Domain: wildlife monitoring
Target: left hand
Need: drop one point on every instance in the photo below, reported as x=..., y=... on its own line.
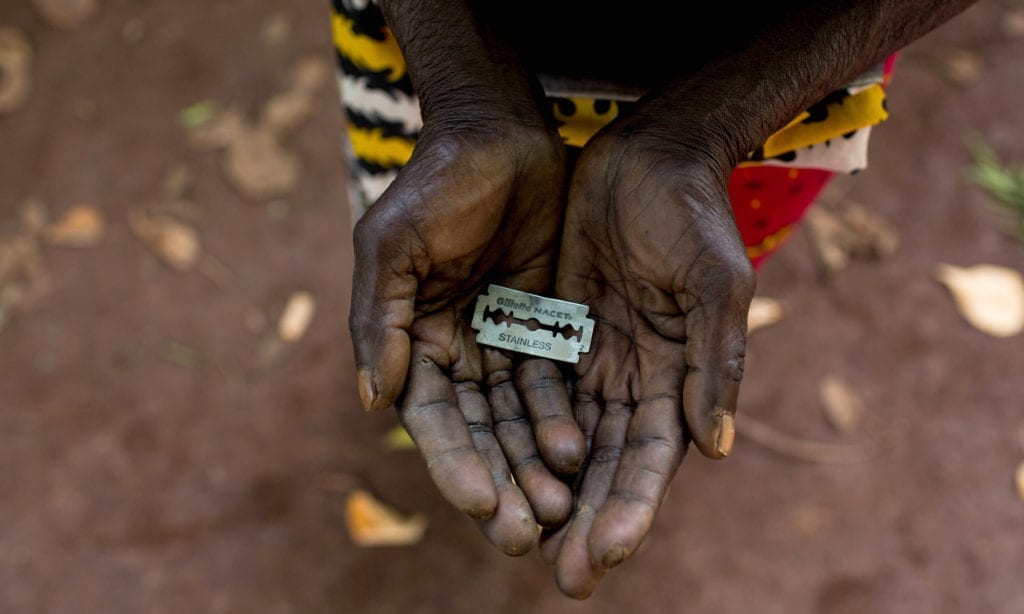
x=651, y=246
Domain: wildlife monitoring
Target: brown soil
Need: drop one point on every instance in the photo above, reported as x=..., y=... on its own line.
x=138, y=476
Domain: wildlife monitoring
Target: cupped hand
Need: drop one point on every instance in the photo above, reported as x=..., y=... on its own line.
x=651, y=246
x=475, y=205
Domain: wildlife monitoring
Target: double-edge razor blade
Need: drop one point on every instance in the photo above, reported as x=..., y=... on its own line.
x=532, y=324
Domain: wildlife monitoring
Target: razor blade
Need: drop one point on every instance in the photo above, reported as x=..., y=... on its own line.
x=532, y=324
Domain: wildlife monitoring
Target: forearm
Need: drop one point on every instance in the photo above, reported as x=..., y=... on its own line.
x=461, y=72
x=731, y=106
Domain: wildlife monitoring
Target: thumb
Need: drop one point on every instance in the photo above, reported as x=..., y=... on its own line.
x=382, y=309
x=716, y=302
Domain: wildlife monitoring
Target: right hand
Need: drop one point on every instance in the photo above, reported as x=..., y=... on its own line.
x=479, y=203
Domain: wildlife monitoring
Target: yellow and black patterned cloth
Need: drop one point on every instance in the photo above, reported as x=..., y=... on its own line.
x=770, y=190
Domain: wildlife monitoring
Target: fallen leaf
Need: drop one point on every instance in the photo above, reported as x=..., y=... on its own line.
x=65, y=14
x=296, y=317
x=214, y=270
x=255, y=321
x=34, y=216
x=372, y=523
x=182, y=355
x=989, y=297
x=824, y=229
x=277, y=29
x=763, y=312
x=269, y=351
x=255, y=161
x=810, y=519
x=197, y=114
x=1013, y=22
x=218, y=131
x=844, y=410
x=868, y=236
x=804, y=449
x=15, y=69
x=176, y=243
x=287, y=110
x=258, y=166
x=80, y=226
x=133, y=31
x=397, y=438
x=23, y=276
x=961, y=65
x=1020, y=481
x=848, y=233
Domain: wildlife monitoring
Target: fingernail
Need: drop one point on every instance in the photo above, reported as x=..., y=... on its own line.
x=613, y=556
x=367, y=391
x=726, y=434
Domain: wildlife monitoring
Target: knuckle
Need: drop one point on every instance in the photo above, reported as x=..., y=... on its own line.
x=606, y=454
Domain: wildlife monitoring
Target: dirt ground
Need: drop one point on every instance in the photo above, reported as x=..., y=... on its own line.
x=157, y=455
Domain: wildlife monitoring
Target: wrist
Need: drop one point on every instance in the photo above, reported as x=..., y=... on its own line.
x=460, y=72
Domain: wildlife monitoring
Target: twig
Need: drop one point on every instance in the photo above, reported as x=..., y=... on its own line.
x=802, y=449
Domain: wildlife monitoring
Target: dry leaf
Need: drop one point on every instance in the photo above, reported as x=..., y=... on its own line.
x=810, y=519
x=23, y=277
x=259, y=166
x=218, y=131
x=990, y=298
x=1013, y=22
x=850, y=232
x=256, y=162
x=133, y=31
x=398, y=439
x=1020, y=481
x=15, y=69
x=843, y=408
x=763, y=312
x=176, y=243
x=65, y=14
x=277, y=29
x=34, y=216
x=269, y=351
x=80, y=226
x=869, y=236
x=961, y=65
x=824, y=228
x=296, y=317
x=182, y=355
x=372, y=523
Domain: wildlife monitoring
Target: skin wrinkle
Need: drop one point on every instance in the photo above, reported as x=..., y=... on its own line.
x=441, y=455
x=415, y=410
x=633, y=497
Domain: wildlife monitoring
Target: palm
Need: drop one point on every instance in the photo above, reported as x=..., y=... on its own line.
x=468, y=210
x=650, y=245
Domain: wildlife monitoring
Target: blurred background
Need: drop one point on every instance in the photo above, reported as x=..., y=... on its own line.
x=179, y=428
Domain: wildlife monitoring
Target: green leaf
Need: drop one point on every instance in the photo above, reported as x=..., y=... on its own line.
x=197, y=114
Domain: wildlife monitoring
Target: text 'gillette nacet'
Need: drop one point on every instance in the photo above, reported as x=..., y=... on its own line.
x=532, y=324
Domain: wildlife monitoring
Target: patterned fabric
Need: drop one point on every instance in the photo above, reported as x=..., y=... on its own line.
x=770, y=191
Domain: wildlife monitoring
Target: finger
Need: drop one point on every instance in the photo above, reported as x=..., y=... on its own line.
x=654, y=448
x=549, y=497
x=588, y=413
x=716, y=301
x=382, y=309
x=577, y=576
x=512, y=528
x=431, y=414
x=547, y=399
